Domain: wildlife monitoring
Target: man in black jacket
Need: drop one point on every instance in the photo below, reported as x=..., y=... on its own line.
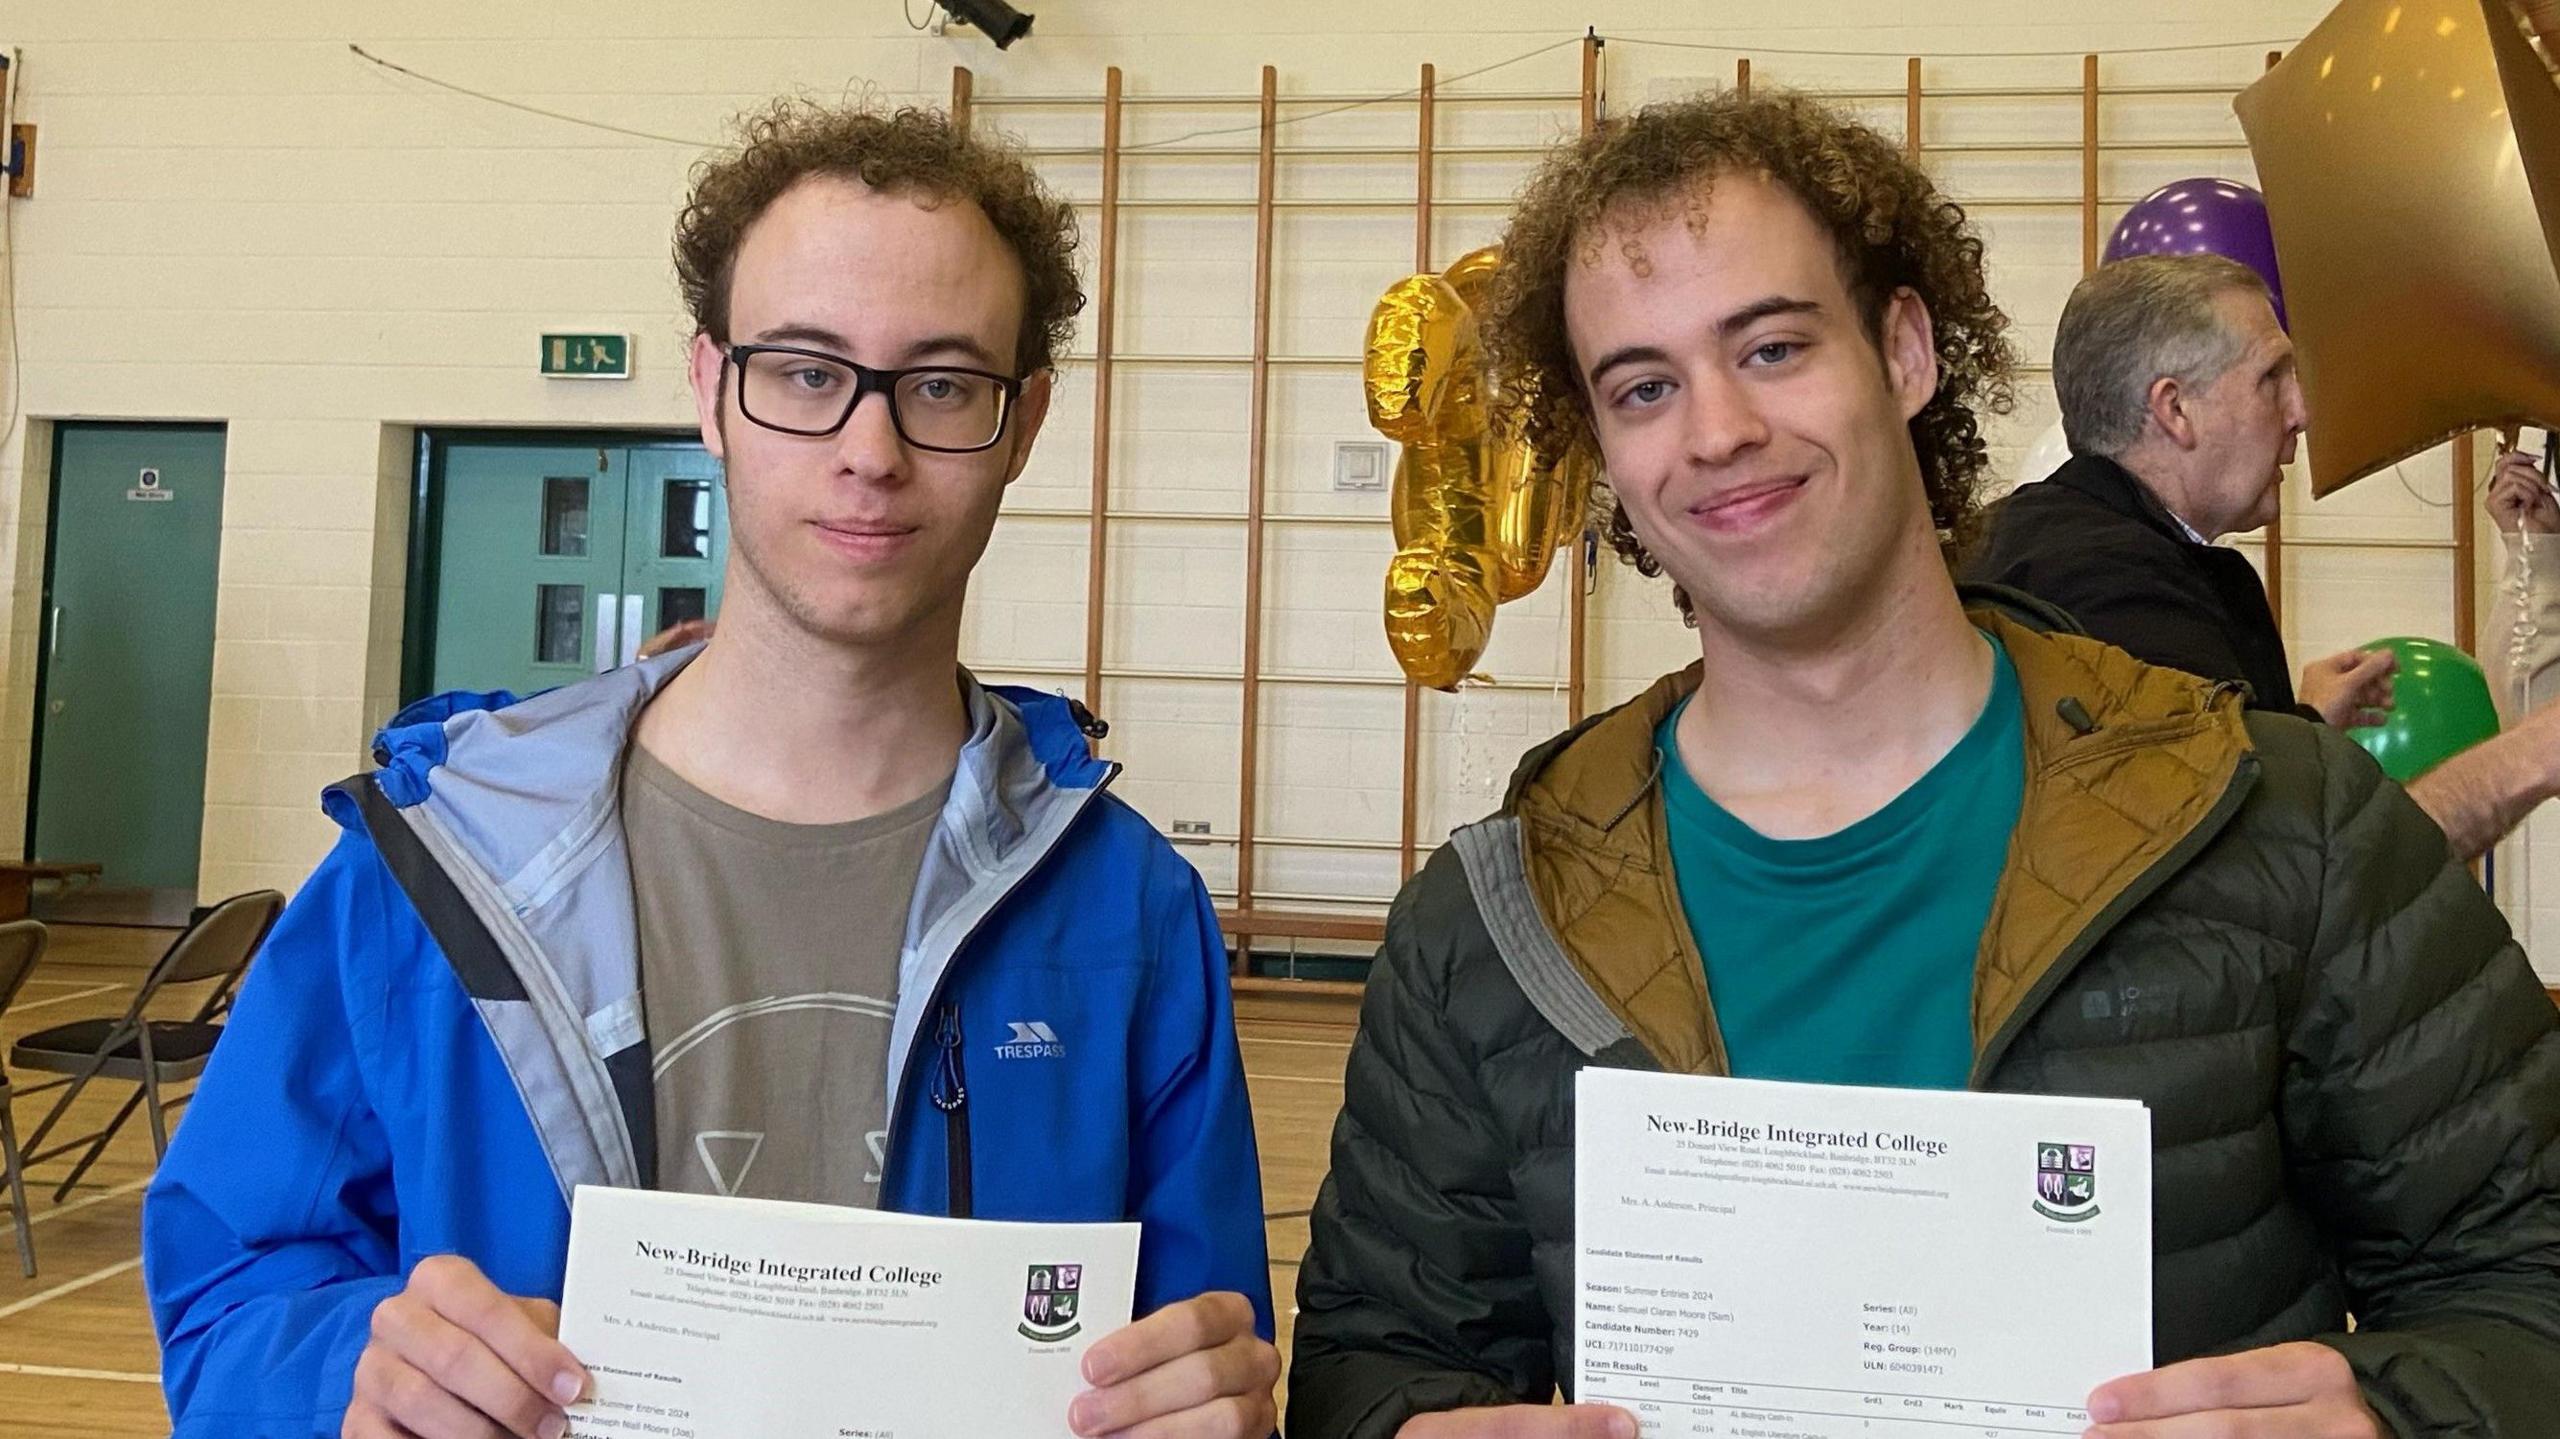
x=1778, y=332
x=2121, y=537
x=2181, y=406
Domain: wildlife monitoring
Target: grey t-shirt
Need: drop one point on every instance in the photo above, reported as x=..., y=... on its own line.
x=769, y=978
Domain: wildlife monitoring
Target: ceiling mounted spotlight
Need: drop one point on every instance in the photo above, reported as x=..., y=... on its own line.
x=1001, y=22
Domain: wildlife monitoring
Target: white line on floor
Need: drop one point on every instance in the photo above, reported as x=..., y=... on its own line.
x=1291, y=1079
x=72, y=1287
x=56, y=983
x=101, y=1197
x=51, y=1371
x=90, y=993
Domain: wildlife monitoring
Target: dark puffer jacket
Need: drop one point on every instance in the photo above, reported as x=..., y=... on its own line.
x=2354, y=1077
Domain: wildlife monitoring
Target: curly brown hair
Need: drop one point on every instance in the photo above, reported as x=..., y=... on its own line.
x=909, y=150
x=1890, y=225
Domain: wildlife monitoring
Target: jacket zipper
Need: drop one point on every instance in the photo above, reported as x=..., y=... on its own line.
x=951, y=1096
x=957, y=1125
x=2243, y=779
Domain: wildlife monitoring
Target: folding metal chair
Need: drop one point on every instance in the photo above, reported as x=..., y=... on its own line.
x=154, y=1052
x=21, y=945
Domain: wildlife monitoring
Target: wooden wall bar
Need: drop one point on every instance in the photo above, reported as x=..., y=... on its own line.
x=1106, y=275
x=2466, y=545
x=2088, y=163
x=1911, y=107
x=1425, y=121
x=1249, y=747
x=1578, y=572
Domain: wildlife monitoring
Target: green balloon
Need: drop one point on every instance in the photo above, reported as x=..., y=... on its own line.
x=2440, y=707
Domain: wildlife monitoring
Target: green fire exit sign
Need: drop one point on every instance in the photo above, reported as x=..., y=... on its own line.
x=587, y=357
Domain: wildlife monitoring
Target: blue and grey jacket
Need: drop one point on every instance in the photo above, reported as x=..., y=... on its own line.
x=443, y=1037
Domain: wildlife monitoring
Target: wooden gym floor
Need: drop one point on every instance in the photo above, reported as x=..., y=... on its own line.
x=77, y=1360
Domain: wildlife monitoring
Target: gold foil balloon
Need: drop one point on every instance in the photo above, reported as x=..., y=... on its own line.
x=1538, y=498
x=1478, y=512
x=1441, y=585
x=1513, y=484
x=1419, y=365
x=1538, y=504
x=1471, y=394
x=2410, y=154
x=1424, y=473
x=1439, y=615
x=1472, y=275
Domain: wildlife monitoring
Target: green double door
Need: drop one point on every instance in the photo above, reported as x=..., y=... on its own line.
x=553, y=560
x=126, y=686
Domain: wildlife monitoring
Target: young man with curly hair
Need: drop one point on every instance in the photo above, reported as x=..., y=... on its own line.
x=803, y=913
x=1890, y=833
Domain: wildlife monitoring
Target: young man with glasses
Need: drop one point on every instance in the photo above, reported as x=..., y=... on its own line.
x=805, y=912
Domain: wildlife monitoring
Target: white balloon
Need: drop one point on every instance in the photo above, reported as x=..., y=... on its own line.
x=2046, y=454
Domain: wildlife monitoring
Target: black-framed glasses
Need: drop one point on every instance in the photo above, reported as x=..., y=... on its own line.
x=943, y=408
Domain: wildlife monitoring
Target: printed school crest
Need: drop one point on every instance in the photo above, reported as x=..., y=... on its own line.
x=1050, y=1298
x=2067, y=1182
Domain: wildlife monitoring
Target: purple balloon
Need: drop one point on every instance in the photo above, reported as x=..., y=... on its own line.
x=2202, y=217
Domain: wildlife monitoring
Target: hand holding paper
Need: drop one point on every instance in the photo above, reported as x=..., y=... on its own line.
x=1198, y=1360
x=2285, y=1391
x=452, y=1352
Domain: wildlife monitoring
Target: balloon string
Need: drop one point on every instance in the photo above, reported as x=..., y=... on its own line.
x=2524, y=630
x=2522, y=633
x=1471, y=761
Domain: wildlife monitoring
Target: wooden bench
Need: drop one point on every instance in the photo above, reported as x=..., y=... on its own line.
x=1242, y=926
x=1301, y=924
x=18, y=882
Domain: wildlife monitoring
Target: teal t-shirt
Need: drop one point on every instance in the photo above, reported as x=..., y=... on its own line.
x=1848, y=959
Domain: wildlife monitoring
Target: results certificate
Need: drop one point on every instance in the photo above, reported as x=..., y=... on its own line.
x=710, y=1318
x=1803, y=1261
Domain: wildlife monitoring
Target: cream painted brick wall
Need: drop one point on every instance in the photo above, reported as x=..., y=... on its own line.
x=240, y=221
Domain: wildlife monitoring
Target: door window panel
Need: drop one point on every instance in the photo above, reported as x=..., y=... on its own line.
x=559, y=623
x=564, y=516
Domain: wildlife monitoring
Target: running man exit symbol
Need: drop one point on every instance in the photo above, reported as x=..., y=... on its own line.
x=586, y=357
